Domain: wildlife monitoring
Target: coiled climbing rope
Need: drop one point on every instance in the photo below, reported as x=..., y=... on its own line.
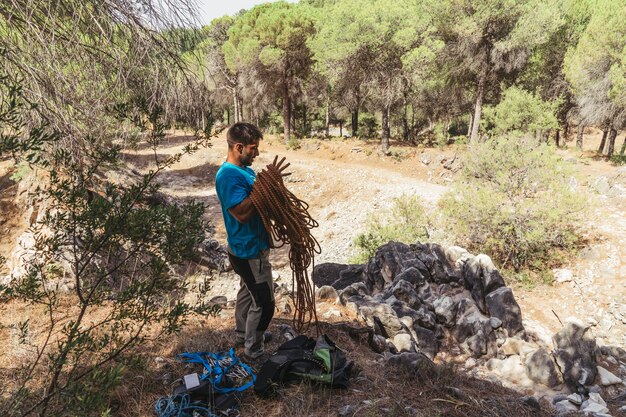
x=287, y=220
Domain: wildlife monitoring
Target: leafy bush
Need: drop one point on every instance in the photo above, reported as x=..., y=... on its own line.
x=520, y=111
x=513, y=202
x=368, y=125
x=122, y=248
x=405, y=221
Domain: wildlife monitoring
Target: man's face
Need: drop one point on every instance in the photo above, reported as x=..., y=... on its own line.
x=247, y=153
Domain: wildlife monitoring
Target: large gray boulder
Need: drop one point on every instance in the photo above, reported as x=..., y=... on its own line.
x=402, y=290
x=350, y=275
x=422, y=316
x=501, y=304
x=358, y=288
x=380, y=316
x=470, y=321
x=338, y=276
x=417, y=364
x=541, y=368
x=434, y=258
x=575, y=354
x=427, y=342
x=391, y=260
x=481, y=277
x=445, y=309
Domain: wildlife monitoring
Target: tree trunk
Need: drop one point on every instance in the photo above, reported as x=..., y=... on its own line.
x=557, y=138
x=603, y=141
x=579, y=136
x=327, y=124
x=303, y=118
x=286, y=112
x=405, y=117
x=479, y=105
x=384, y=143
x=469, y=125
x=355, y=122
x=228, y=116
x=623, y=148
x=355, y=115
x=236, y=102
x=341, y=128
x=612, y=137
x=565, y=133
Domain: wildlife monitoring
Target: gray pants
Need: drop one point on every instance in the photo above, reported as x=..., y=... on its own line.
x=255, y=300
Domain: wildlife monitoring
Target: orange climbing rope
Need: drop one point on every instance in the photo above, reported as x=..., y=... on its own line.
x=287, y=220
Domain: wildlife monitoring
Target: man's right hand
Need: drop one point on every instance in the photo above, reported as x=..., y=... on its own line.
x=280, y=167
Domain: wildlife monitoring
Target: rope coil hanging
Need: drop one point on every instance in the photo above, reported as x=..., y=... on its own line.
x=287, y=220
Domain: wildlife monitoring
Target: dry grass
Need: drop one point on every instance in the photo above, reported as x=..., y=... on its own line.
x=375, y=390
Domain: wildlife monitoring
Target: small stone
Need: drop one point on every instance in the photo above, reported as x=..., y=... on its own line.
x=411, y=411
x=595, y=389
x=594, y=408
x=333, y=312
x=346, y=410
x=596, y=398
x=607, y=378
x=403, y=342
x=563, y=275
x=470, y=363
x=565, y=406
x=575, y=399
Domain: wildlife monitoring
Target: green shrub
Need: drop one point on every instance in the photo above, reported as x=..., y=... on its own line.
x=405, y=221
x=293, y=143
x=513, y=202
x=520, y=111
x=368, y=125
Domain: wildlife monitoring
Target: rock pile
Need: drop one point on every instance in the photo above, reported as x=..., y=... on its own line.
x=427, y=300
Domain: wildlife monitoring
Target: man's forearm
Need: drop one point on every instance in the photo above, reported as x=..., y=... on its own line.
x=243, y=211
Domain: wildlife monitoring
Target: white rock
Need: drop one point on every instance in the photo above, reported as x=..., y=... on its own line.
x=403, y=342
x=565, y=406
x=594, y=397
x=563, y=275
x=595, y=408
x=333, y=312
x=575, y=399
x=607, y=378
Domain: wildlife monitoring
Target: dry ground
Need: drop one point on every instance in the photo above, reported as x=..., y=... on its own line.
x=343, y=181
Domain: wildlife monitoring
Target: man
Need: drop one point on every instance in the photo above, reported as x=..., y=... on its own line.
x=248, y=241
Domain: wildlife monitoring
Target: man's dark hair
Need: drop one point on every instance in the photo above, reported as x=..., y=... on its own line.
x=245, y=133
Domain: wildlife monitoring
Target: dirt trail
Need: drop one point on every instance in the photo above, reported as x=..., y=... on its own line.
x=345, y=180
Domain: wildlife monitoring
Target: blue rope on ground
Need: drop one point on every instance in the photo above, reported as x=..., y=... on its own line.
x=180, y=406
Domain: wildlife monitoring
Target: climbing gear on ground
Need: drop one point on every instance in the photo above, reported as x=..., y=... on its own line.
x=224, y=370
x=287, y=220
x=222, y=383
x=304, y=358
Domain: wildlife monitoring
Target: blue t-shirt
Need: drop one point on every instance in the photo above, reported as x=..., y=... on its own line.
x=233, y=184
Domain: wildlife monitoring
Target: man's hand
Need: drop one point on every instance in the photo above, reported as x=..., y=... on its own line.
x=280, y=167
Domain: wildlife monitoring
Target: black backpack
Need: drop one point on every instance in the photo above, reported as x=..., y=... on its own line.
x=304, y=358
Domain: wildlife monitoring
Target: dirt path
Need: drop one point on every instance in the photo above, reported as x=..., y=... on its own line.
x=345, y=180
